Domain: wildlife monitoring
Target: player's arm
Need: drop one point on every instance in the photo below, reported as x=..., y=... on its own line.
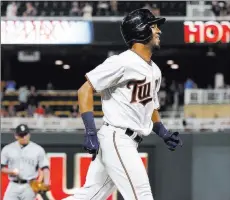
x=171, y=139
x=5, y=170
x=158, y=126
x=40, y=175
x=85, y=101
x=4, y=163
x=104, y=76
x=46, y=175
x=156, y=116
x=85, y=98
x=43, y=164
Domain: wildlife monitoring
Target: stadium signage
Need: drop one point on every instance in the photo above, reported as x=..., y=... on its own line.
x=206, y=32
x=58, y=175
x=46, y=32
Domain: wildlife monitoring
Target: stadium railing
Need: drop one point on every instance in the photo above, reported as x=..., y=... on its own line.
x=55, y=124
x=207, y=96
x=112, y=18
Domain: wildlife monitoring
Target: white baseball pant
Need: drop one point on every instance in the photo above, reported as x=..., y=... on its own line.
x=117, y=166
x=17, y=191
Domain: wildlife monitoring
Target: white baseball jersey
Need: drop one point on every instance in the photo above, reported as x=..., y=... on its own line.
x=26, y=159
x=129, y=87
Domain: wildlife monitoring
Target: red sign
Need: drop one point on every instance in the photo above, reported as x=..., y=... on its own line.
x=206, y=32
x=58, y=175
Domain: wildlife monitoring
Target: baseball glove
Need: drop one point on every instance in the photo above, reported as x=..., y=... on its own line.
x=39, y=187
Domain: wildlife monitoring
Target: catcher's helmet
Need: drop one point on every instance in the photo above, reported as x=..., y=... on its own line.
x=136, y=26
x=22, y=130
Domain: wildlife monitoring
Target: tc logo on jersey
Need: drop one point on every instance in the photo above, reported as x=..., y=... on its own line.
x=141, y=91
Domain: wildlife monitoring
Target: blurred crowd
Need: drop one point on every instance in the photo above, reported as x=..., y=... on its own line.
x=103, y=8
x=29, y=102
x=171, y=97
x=218, y=8
x=221, y=8
x=89, y=8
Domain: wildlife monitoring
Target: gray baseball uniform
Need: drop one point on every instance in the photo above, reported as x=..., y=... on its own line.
x=27, y=159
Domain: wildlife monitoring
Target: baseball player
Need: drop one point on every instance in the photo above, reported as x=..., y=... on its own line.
x=21, y=160
x=128, y=84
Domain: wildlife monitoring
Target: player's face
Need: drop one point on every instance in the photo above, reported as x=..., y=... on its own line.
x=23, y=139
x=155, y=42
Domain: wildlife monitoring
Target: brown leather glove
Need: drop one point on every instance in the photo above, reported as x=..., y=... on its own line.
x=39, y=187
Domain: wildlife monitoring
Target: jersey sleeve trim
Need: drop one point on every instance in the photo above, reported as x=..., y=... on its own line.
x=2, y=165
x=90, y=83
x=45, y=167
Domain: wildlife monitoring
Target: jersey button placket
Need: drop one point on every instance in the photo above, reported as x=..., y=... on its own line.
x=153, y=83
x=21, y=162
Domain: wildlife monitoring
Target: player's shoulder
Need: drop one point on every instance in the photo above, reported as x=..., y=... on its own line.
x=155, y=66
x=6, y=147
x=9, y=146
x=127, y=57
x=119, y=58
x=124, y=59
x=37, y=146
x=112, y=59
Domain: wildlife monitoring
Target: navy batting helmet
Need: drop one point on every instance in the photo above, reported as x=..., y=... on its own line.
x=136, y=26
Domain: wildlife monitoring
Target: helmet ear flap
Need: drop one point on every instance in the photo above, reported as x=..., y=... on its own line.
x=145, y=29
x=144, y=33
x=148, y=34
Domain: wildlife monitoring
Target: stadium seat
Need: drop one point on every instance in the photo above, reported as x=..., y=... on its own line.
x=57, y=101
x=62, y=8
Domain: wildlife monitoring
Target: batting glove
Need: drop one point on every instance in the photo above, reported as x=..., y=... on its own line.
x=91, y=143
x=172, y=140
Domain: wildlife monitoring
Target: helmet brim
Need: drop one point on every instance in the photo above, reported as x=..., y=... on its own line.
x=22, y=134
x=158, y=21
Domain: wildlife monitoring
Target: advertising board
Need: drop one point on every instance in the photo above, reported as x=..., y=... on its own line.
x=206, y=32
x=46, y=32
x=81, y=32
x=59, y=170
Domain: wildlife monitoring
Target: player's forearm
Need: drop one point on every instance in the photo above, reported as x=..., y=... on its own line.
x=156, y=116
x=158, y=126
x=40, y=176
x=46, y=174
x=85, y=98
x=5, y=170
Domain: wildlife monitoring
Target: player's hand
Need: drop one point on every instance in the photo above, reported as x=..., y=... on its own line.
x=46, y=184
x=172, y=140
x=91, y=144
x=15, y=172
